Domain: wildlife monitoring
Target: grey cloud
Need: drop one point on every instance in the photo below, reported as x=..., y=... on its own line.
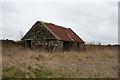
x=98, y=21
x=91, y=21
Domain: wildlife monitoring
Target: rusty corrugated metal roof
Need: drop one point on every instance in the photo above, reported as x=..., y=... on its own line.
x=65, y=34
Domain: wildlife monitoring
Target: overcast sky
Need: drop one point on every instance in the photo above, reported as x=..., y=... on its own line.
x=92, y=21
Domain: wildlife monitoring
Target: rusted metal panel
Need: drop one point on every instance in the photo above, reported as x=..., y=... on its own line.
x=65, y=34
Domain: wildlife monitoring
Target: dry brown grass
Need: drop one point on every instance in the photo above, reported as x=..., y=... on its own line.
x=94, y=61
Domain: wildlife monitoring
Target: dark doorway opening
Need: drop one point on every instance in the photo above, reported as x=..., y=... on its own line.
x=29, y=44
x=66, y=46
x=50, y=45
x=78, y=45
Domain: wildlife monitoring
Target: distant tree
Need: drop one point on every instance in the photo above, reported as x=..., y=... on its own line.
x=99, y=43
x=3, y=37
x=21, y=35
x=109, y=44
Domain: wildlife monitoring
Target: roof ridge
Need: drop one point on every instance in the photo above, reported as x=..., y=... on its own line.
x=60, y=26
x=57, y=25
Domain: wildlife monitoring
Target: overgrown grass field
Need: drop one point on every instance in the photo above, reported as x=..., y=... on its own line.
x=93, y=62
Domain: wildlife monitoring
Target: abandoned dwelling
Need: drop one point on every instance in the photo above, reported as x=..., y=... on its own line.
x=51, y=37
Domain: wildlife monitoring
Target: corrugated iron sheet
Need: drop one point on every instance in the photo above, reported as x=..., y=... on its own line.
x=63, y=33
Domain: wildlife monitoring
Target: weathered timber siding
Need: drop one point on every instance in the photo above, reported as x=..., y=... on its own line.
x=76, y=46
